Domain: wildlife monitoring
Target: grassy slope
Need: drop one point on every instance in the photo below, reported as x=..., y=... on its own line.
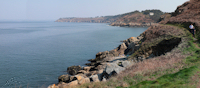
x=187, y=77
x=182, y=78
x=172, y=70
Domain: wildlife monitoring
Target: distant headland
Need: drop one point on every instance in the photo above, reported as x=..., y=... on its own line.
x=132, y=19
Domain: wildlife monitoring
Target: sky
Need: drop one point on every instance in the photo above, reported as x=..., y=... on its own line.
x=39, y=10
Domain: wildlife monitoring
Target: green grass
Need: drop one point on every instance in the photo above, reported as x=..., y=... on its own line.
x=195, y=57
x=170, y=80
x=180, y=79
x=133, y=80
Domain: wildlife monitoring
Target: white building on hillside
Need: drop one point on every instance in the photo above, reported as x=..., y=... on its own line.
x=151, y=13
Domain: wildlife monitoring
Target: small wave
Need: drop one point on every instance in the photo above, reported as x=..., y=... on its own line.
x=14, y=81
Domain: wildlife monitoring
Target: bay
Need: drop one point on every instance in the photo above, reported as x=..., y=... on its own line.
x=34, y=54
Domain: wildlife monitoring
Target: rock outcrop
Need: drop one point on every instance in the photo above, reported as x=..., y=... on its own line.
x=185, y=14
x=65, y=78
x=73, y=70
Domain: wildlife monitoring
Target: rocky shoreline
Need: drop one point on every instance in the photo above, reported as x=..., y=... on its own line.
x=105, y=65
x=133, y=50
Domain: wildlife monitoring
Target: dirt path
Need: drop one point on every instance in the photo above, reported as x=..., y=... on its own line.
x=196, y=45
x=196, y=77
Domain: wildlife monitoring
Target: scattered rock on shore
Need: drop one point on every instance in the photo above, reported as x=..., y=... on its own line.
x=101, y=68
x=73, y=70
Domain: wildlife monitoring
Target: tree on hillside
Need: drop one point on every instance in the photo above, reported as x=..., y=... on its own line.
x=156, y=16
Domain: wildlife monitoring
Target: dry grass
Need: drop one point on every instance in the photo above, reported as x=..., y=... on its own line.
x=157, y=65
x=196, y=80
x=145, y=68
x=164, y=31
x=149, y=66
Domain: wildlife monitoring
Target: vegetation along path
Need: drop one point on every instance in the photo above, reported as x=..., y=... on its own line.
x=178, y=68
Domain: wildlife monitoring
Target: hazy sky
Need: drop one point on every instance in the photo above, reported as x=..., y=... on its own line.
x=54, y=9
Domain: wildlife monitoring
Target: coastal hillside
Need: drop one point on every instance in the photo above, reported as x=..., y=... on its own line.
x=136, y=18
x=165, y=55
x=186, y=14
x=144, y=18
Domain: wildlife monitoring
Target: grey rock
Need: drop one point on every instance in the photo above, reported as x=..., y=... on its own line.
x=73, y=70
x=94, y=78
x=104, y=79
x=131, y=49
x=118, y=70
x=122, y=46
x=126, y=63
x=112, y=69
x=66, y=78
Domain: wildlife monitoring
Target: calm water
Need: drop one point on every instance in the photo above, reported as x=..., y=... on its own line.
x=34, y=54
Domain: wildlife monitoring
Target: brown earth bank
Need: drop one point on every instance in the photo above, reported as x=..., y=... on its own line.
x=159, y=48
x=131, y=19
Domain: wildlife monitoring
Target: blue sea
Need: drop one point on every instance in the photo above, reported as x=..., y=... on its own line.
x=34, y=54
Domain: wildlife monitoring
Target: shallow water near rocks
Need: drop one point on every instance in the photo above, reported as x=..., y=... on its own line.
x=34, y=54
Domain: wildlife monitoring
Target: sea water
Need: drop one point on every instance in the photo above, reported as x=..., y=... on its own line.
x=34, y=54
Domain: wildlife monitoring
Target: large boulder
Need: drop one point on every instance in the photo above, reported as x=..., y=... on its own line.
x=130, y=40
x=66, y=78
x=95, y=78
x=69, y=85
x=114, y=53
x=101, y=55
x=84, y=80
x=79, y=77
x=133, y=44
x=73, y=83
x=131, y=49
x=82, y=72
x=126, y=63
x=87, y=69
x=122, y=46
x=73, y=70
x=112, y=69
